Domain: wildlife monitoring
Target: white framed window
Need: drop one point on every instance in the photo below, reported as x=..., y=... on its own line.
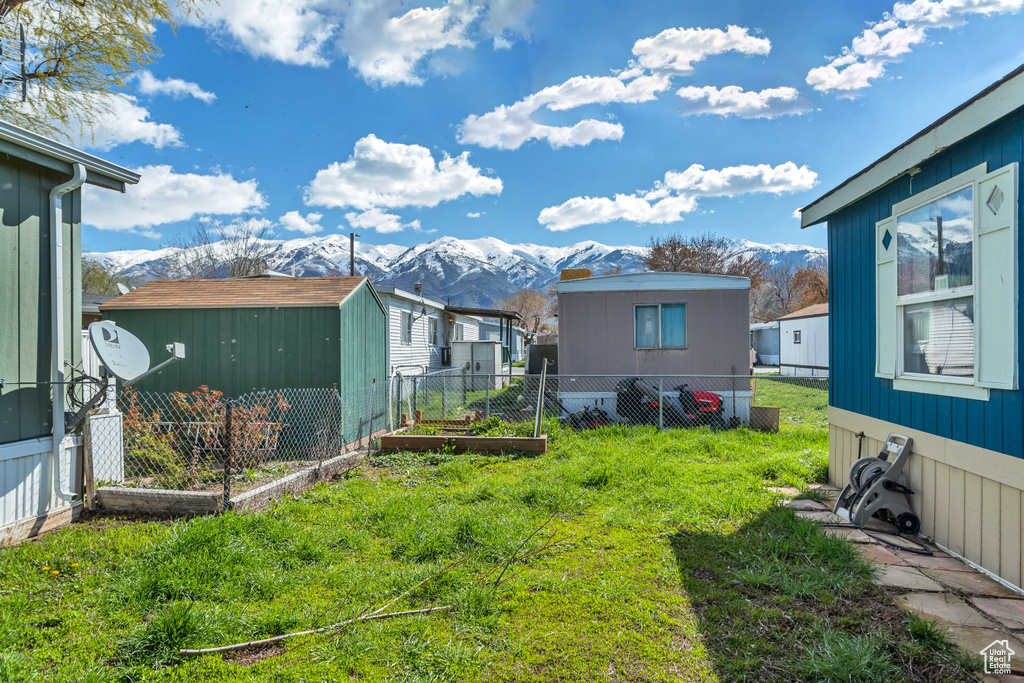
x=460, y=331
x=946, y=287
x=796, y=336
x=659, y=326
x=406, y=327
x=432, y=331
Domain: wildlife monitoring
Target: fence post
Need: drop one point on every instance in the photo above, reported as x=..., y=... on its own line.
x=487, y=399
x=444, y=396
x=661, y=402
x=415, y=391
x=228, y=441
x=88, y=486
x=464, y=375
x=540, y=397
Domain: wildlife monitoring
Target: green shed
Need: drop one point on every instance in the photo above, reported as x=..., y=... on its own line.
x=259, y=333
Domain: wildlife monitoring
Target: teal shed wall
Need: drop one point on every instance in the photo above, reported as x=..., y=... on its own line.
x=25, y=294
x=238, y=350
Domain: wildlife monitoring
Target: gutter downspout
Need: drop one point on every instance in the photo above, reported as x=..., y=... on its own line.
x=57, y=326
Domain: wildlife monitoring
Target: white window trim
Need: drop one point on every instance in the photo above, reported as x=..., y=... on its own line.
x=659, y=347
x=939, y=385
x=432, y=338
x=404, y=328
x=798, y=336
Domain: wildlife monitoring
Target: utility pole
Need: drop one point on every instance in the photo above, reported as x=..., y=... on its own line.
x=352, y=252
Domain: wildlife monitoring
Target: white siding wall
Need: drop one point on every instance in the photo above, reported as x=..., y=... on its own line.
x=810, y=356
x=26, y=486
x=420, y=352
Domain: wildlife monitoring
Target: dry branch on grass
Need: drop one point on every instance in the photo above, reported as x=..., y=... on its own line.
x=379, y=613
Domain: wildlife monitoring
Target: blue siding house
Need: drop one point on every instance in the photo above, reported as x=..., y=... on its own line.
x=925, y=325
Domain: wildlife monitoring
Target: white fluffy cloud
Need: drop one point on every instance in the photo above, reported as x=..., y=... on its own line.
x=898, y=32
x=148, y=84
x=379, y=220
x=164, y=196
x=474, y=214
x=289, y=31
x=675, y=50
x=733, y=100
x=392, y=175
x=386, y=42
x=118, y=120
x=307, y=225
x=678, y=194
x=657, y=60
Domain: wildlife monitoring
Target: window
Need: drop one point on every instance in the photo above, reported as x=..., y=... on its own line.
x=460, y=331
x=432, y=331
x=946, y=283
x=406, y=327
x=796, y=336
x=659, y=326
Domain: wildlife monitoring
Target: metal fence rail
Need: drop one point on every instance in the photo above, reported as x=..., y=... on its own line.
x=179, y=443
x=717, y=402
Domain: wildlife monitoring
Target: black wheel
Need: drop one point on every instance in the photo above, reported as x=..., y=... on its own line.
x=716, y=423
x=908, y=523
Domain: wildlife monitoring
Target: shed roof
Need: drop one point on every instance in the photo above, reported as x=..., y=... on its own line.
x=991, y=104
x=812, y=311
x=653, y=281
x=28, y=146
x=271, y=292
x=91, y=301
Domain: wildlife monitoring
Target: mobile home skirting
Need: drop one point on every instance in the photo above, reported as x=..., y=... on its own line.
x=970, y=499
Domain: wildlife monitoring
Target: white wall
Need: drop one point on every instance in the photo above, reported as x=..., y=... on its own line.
x=26, y=485
x=810, y=356
x=421, y=352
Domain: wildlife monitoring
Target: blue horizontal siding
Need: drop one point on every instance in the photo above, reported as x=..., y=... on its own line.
x=996, y=424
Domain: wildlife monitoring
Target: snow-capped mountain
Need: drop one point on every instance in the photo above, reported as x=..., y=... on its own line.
x=466, y=272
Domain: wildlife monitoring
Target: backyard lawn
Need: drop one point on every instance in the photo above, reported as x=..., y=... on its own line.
x=637, y=555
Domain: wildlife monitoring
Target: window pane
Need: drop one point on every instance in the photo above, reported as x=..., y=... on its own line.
x=432, y=330
x=938, y=338
x=646, y=327
x=406, y=328
x=935, y=244
x=673, y=326
x=458, y=332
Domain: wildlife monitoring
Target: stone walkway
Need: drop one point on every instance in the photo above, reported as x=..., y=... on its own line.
x=975, y=610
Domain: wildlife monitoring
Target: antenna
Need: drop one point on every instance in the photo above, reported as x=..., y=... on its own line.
x=122, y=288
x=123, y=354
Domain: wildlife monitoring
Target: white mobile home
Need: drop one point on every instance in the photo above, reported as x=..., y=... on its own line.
x=420, y=329
x=764, y=339
x=492, y=330
x=803, y=342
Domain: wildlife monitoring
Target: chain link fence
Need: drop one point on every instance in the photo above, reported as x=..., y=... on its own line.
x=457, y=398
x=202, y=452
x=175, y=445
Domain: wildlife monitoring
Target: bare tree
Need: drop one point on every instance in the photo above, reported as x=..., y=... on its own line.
x=529, y=303
x=775, y=295
x=810, y=283
x=101, y=278
x=707, y=253
x=210, y=251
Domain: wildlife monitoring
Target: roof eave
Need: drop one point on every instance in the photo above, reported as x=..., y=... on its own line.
x=24, y=144
x=993, y=103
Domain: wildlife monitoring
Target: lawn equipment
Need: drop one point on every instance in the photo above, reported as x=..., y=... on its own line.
x=639, y=403
x=704, y=407
x=878, y=484
x=590, y=417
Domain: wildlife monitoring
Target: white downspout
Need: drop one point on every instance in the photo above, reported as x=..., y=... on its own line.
x=57, y=326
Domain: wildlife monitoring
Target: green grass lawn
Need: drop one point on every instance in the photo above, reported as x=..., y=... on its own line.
x=669, y=558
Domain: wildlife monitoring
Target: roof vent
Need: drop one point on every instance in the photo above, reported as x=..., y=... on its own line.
x=575, y=274
x=417, y=287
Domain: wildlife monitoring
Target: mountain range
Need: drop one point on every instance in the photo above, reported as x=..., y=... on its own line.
x=471, y=272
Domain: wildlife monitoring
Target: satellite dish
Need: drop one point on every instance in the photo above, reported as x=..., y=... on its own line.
x=123, y=289
x=120, y=351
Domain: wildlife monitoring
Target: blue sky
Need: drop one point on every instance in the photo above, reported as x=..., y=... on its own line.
x=407, y=120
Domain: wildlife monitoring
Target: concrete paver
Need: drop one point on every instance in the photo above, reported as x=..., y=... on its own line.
x=1007, y=611
x=855, y=535
x=821, y=516
x=894, y=576
x=806, y=504
x=973, y=640
x=939, y=560
x=880, y=555
x=945, y=608
x=972, y=583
